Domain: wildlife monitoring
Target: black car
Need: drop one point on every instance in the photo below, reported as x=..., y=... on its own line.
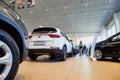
x=108, y=48
x=13, y=42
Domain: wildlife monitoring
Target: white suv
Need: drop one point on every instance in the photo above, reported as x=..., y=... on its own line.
x=49, y=41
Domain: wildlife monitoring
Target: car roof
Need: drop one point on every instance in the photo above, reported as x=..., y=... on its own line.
x=49, y=27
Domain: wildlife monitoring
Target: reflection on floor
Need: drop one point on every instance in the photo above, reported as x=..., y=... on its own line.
x=74, y=68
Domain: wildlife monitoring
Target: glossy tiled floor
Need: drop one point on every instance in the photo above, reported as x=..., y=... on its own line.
x=74, y=68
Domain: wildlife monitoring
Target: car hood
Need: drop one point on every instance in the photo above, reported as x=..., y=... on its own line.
x=100, y=43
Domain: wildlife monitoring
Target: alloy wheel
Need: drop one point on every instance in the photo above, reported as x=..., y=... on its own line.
x=6, y=60
x=98, y=54
x=65, y=51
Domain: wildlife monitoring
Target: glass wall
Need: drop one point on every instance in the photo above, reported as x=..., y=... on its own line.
x=111, y=31
x=105, y=33
x=117, y=21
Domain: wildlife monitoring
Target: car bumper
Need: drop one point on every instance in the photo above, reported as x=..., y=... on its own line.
x=45, y=51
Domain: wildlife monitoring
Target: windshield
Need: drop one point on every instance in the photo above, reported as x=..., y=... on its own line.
x=44, y=30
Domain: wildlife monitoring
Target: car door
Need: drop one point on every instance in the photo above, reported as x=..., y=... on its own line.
x=67, y=42
x=113, y=46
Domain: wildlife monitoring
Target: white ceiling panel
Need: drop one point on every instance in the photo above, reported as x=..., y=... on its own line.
x=72, y=16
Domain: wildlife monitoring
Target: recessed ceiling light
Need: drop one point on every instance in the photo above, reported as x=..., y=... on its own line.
x=31, y=12
x=40, y=26
x=104, y=11
x=85, y=14
x=65, y=7
x=110, y=1
x=86, y=4
x=46, y=9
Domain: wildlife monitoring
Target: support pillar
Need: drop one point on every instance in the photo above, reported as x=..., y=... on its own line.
x=93, y=47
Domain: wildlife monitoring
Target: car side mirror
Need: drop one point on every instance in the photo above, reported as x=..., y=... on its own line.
x=70, y=40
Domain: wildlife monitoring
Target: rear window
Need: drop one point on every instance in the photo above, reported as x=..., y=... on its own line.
x=44, y=30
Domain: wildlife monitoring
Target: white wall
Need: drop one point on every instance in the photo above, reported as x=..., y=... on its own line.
x=85, y=38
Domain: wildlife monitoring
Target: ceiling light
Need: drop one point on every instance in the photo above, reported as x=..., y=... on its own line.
x=104, y=11
x=31, y=12
x=40, y=26
x=86, y=4
x=65, y=7
x=46, y=9
x=85, y=14
x=110, y=1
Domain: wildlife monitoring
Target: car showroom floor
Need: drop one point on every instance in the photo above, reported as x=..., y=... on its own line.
x=74, y=68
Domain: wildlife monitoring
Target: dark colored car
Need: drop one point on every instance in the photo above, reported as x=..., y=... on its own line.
x=108, y=48
x=13, y=42
x=76, y=50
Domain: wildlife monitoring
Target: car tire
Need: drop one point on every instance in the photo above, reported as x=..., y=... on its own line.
x=9, y=56
x=32, y=56
x=98, y=54
x=52, y=57
x=114, y=58
x=64, y=56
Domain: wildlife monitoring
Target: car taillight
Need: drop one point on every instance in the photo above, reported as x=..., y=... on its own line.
x=30, y=36
x=54, y=35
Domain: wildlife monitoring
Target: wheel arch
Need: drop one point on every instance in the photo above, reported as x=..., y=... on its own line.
x=65, y=46
x=10, y=29
x=98, y=48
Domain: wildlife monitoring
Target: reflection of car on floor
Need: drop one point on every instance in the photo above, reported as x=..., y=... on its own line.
x=88, y=49
x=49, y=41
x=76, y=50
x=13, y=40
x=108, y=48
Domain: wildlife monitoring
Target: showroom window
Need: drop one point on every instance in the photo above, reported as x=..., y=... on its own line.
x=111, y=31
x=103, y=35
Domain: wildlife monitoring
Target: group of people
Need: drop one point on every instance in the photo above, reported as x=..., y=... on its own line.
x=21, y=4
x=82, y=48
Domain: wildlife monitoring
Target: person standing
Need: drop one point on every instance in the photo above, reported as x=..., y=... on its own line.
x=84, y=50
x=20, y=4
x=31, y=3
x=81, y=47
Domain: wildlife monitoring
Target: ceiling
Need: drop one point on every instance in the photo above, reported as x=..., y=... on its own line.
x=72, y=16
